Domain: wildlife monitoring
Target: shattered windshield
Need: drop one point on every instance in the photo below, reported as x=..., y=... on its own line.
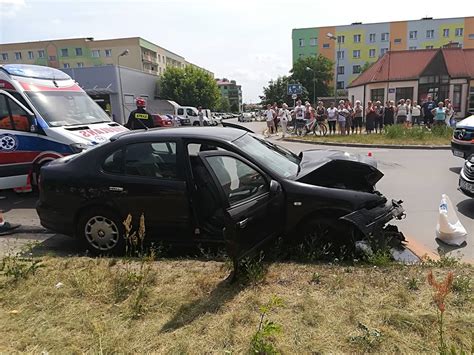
x=278, y=159
x=66, y=108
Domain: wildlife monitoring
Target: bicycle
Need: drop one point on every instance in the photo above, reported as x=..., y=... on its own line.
x=318, y=128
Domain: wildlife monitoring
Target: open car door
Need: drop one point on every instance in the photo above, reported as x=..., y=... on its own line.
x=253, y=203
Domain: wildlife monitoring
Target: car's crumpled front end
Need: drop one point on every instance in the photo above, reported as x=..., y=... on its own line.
x=357, y=176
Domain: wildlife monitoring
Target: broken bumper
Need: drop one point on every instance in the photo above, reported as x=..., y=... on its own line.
x=371, y=221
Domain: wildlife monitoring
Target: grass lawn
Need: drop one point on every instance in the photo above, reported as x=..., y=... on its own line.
x=394, y=135
x=183, y=306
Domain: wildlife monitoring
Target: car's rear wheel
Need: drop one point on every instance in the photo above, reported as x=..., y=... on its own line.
x=101, y=231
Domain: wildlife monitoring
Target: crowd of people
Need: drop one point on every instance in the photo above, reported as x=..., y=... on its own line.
x=346, y=118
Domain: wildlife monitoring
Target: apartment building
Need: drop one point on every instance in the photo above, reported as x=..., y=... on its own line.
x=350, y=47
x=86, y=52
x=232, y=91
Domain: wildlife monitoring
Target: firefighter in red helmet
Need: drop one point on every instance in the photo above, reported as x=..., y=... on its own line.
x=140, y=118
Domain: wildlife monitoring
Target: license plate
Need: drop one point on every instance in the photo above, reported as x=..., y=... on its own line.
x=458, y=153
x=466, y=186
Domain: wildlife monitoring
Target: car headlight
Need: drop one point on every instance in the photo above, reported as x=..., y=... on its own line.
x=78, y=147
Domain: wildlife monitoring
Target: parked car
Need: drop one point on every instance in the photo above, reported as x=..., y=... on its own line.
x=245, y=117
x=182, y=121
x=212, y=185
x=466, y=177
x=462, y=143
x=162, y=121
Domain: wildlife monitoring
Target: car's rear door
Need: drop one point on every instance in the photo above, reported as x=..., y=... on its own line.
x=253, y=202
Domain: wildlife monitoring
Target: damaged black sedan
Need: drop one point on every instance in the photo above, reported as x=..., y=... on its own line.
x=212, y=185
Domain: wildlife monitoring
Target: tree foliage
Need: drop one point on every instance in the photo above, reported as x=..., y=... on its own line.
x=189, y=86
x=365, y=67
x=223, y=104
x=276, y=91
x=317, y=69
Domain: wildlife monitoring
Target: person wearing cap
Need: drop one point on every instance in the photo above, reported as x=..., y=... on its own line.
x=140, y=118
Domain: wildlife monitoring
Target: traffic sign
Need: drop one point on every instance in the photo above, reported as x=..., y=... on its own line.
x=295, y=89
x=294, y=96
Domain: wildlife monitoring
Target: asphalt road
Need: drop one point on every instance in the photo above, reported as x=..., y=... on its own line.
x=418, y=177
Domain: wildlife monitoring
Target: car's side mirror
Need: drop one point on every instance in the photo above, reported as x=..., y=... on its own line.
x=275, y=187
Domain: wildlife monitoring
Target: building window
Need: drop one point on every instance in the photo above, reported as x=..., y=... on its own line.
x=301, y=42
x=18, y=55
x=403, y=93
x=301, y=55
x=377, y=95
x=340, y=54
x=430, y=34
x=372, y=37
x=313, y=42
x=413, y=34
x=341, y=39
x=372, y=53
x=459, y=32
x=79, y=52
x=356, y=53
x=31, y=55
x=225, y=87
x=446, y=32
x=457, y=90
x=383, y=51
x=471, y=36
x=340, y=85
x=385, y=36
x=356, y=69
x=340, y=70
x=108, y=52
x=326, y=45
x=66, y=65
x=397, y=40
x=429, y=47
x=64, y=52
x=80, y=65
x=357, y=38
x=4, y=56
x=41, y=53
x=96, y=53
x=412, y=48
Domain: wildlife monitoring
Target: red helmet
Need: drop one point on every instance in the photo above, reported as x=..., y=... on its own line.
x=140, y=102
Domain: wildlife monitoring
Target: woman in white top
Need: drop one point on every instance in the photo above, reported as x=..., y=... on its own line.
x=284, y=116
x=409, y=113
x=332, y=118
x=416, y=113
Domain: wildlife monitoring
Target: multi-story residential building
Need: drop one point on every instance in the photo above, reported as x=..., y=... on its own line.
x=354, y=45
x=232, y=91
x=87, y=52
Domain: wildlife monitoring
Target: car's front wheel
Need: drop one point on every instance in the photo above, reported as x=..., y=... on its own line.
x=101, y=231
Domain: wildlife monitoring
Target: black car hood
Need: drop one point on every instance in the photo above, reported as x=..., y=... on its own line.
x=332, y=168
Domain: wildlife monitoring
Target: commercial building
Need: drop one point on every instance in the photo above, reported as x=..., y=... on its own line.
x=232, y=91
x=86, y=52
x=442, y=73
x=352, y=46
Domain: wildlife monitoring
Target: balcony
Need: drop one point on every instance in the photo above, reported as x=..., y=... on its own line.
x=149, y=59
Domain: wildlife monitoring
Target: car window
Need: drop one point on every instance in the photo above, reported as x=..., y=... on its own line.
x=195, y=148
x=12, y=116
x=180, y=111
x=142, y=159
x=238, y=180
x=190, y=112
x=114, y=163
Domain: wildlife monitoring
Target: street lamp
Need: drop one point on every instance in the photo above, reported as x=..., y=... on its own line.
x=334, y=38
x=124, y=53
x=314, y=83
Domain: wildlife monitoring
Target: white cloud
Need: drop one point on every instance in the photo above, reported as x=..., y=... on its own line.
x=9, y=8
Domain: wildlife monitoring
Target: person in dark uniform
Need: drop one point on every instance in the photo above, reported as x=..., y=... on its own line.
x=140, y=118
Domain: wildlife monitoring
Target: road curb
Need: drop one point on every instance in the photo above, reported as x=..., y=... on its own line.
x=361, y=145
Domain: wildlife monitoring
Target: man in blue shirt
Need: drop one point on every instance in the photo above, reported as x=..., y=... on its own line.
x=427, y=109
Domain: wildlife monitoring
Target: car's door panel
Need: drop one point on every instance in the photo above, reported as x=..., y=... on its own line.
x=258, y=214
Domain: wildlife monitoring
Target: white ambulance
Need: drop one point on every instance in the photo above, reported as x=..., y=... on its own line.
x=44, y=115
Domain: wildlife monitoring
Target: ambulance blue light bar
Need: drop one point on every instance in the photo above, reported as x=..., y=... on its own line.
x=35, y=71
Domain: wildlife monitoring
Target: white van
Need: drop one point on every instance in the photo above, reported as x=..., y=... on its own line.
x=44, y=115
x=192, y=114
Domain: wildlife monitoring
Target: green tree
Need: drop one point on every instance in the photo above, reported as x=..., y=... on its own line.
x=234, y=107
x=314, y=72
x=365, y=67
x=223, y=105
x=277, y=91
x=189, y=86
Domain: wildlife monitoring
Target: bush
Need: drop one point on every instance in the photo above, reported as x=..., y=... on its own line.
x=442, y=131
x=394, y=131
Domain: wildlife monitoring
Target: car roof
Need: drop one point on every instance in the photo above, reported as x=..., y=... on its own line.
x=214, y=133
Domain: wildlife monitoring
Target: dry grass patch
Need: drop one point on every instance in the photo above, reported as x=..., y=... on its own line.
x=185, y=306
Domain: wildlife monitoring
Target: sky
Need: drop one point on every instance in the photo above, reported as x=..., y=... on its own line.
x=245, y=40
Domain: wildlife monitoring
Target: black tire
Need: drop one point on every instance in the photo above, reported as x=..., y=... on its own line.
x=196, y=124
x=327, y=238
x=320, y=130
x=101, y=231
